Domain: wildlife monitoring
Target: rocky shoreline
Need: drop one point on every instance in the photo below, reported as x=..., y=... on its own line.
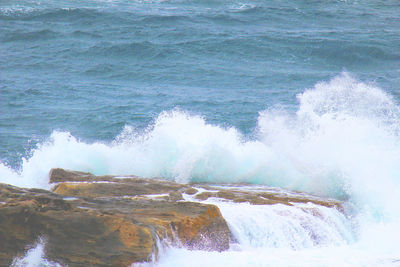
x=89, y=220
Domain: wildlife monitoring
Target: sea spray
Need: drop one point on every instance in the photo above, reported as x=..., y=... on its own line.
x=346, y=256
x=343, y=137
x=35, y=256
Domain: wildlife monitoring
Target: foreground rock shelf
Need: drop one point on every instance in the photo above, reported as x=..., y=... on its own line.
x=89, y=220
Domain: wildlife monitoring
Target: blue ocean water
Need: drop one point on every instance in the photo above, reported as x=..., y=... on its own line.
x=92, y=67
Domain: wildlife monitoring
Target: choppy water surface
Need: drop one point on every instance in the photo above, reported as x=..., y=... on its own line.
x=92, y=67
x=299, y=95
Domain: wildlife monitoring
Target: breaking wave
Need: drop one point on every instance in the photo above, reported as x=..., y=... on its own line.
x=342, y=142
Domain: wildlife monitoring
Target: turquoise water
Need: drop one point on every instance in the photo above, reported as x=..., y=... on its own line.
x=92, y=67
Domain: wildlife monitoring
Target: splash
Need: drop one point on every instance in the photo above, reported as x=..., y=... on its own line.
x=35, y=257
x=178, y=146
x=281, y=226
x=299, y=235
x=342, y=142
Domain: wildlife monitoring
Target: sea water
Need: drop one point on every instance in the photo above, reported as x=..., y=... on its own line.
x=297, y=95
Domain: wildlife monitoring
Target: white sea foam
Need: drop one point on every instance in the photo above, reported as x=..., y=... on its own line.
x=35, y=257
x=344, y=256
x=300, y=235
x=281, y=226
x=342, y=140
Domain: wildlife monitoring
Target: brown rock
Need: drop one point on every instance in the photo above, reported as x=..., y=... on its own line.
x=115, y=221
x=60, y=175
x=133, y=186
x=175, y=196
x=80, y=184
x=205, y=195
x=108, y=231
x=239, y=195
x=191, y=191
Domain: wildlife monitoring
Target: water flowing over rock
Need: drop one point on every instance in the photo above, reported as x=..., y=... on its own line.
x=89, y=220
x=73, y=183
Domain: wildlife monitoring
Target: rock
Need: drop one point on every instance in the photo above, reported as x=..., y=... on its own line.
x=74, y=235
x=102, y=186
x=191, y=191
x=257, y=197
x=72, y=183
x=205, y=195
x=105, y=231
x=60, y=175
x=121, y=188
x=175, y=196
x=111, y=220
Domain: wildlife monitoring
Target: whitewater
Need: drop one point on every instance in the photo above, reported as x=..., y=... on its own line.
x=342, y=142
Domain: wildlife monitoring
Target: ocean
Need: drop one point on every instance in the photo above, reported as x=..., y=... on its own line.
x=296, y=95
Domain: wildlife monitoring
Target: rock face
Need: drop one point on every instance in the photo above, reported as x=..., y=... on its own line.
x=89, y=220
x=104, y=228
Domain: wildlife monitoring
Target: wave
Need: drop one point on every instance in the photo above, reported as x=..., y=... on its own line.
x=246, y=8
x=136, y=49
x=165, y=19
x=342, y=142
x=47, y=13
x=31, y=36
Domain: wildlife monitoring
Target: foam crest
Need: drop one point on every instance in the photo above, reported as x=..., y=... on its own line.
x=177, y=146
x=186, y=148
x=342, y=140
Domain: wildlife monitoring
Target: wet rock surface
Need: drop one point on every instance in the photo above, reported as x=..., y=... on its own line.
x=72, y=183
x=103, y=231
x=89, y=220
x=262, y=197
